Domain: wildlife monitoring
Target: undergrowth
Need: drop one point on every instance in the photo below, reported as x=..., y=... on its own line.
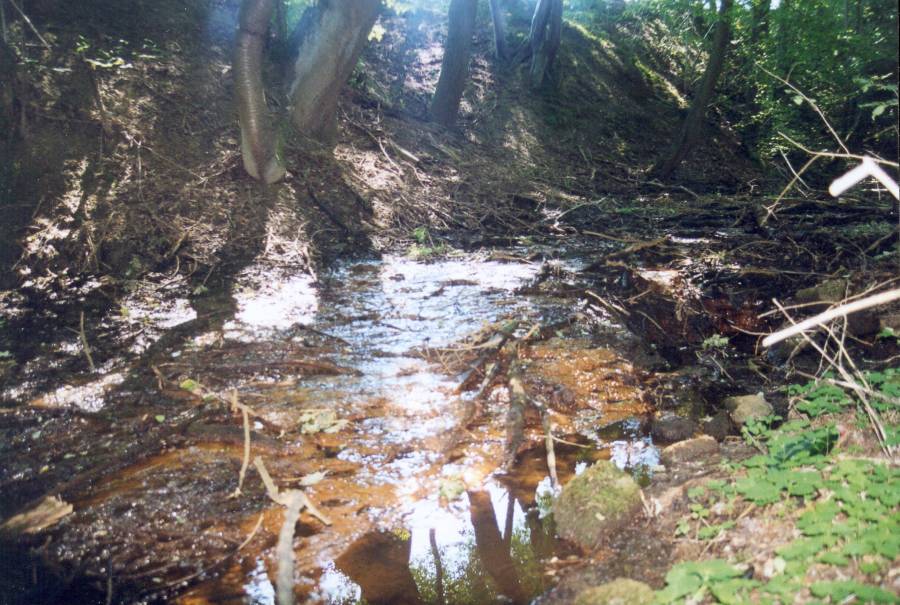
x=838, y=511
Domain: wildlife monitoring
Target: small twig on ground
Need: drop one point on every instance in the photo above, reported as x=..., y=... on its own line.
x=637, y=247
x=235, y=406
x=84, y=344
x=29, y=23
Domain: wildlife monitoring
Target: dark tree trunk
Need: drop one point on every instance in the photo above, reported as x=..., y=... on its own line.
x=326, y=58
x=546, y=32
x=257, y=141
x=498, y=19
x=692, y=128
x=760, y=18
x=455, y=65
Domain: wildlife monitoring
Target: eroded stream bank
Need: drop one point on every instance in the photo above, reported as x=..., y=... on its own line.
x=373, y=390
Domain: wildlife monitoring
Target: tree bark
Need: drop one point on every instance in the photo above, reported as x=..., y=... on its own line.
x=692, y=128
x=498, y=19
x=760, y=18
x=546, y=32
x=326, y=58
x=455, y=65
x=257, y=141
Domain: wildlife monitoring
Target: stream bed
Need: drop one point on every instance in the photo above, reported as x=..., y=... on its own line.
x=360, y=390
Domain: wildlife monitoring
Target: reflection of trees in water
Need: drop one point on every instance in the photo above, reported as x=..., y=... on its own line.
x=491, y=563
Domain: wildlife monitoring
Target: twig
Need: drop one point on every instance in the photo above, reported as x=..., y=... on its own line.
x=813, y=105
x=235, y=406
x=877, y=426
x=831, y=154
x=551, y=452
x=30, y=24
x=84, y=344
x=826, y=316
x=863, y=171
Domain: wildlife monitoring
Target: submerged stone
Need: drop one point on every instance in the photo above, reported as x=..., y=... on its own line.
x=719, y=426
x=671, y=428
x=691, y=450
x=620, y=591
x=595, y=503
x=747, y=407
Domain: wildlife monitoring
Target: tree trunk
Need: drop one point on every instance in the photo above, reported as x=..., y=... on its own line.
x=498, y=19
x=546, y=32
x=257, y=141
x=326, y=58
x=9, y=127
x=760, y=19
x=455, y=65
x=692, y=128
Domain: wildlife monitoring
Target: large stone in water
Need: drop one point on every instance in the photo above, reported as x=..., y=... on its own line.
x=620, y=591
x=747, y=407
x=692, y=450
x=595, y=503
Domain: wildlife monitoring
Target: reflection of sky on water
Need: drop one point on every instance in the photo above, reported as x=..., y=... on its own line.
x=259, y=589
x=267, y=302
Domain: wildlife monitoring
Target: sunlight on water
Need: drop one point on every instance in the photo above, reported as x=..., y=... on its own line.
x=259, y=588
x=274, y=304
x=88, y=397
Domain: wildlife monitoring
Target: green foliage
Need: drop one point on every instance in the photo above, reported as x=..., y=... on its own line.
x=842, y=55
x=716, y=342
x=693, y=578
x=845, y=510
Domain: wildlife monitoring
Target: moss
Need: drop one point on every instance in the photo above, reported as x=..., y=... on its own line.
x=620, y=591
x=594, y=503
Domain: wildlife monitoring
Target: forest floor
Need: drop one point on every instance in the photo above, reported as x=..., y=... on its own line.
x=377, y=313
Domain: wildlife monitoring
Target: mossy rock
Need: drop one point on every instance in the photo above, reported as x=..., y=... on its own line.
x=595, y=503
x=620, y=591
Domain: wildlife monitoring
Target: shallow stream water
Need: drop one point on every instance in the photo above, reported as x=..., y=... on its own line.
x=354, y=384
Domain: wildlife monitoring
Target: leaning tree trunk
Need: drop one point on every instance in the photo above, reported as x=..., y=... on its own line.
x=455, y=66
x=326, y=58
x=692, y=128
x=257, y=140
x=546, y=32
x=498, y=19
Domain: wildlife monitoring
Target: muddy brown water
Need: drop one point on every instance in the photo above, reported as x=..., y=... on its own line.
x=354, y=386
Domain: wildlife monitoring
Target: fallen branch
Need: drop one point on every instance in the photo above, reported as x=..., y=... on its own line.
x=826, y=316
x=30, y=24
x=294, y=501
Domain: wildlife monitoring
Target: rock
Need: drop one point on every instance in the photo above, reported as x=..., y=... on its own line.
x=594, y=503
x=620, y=591
x=829, y=291
x=692, y=450
x=747, y=407
x=719, y=426
x=671, y=428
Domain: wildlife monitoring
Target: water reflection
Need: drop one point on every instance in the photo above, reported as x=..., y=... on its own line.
x=485, y=548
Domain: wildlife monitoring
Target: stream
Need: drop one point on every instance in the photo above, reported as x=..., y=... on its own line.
x=353, y=383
